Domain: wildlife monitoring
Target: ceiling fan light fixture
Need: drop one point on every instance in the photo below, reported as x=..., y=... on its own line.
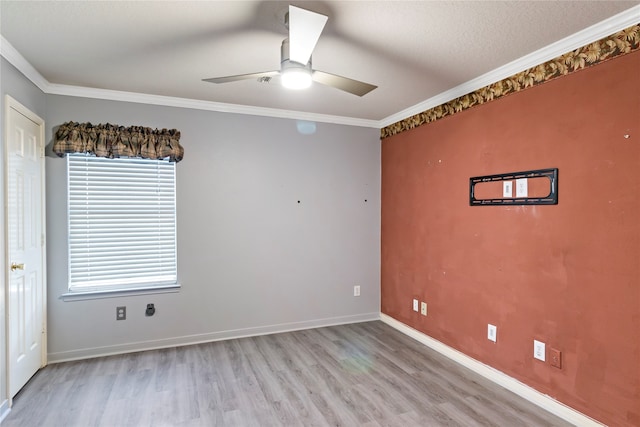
x=296, y=78
x=296, y=71
x=294, y=75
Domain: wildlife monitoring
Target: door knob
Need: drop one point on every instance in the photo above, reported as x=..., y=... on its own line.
x=15, y=266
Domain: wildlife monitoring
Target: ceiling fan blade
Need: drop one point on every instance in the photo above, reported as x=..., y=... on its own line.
x=238, y=77
x=304, y=31
x=348, y=85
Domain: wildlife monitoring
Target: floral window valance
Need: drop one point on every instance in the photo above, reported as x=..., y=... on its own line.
x=118, y=141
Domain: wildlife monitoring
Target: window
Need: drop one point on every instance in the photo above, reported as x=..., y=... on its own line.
x=122, y=223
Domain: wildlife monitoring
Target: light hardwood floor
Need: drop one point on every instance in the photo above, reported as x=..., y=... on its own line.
x=364, y=374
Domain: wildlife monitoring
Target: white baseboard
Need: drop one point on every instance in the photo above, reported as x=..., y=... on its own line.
x=542, y=400
x=532, y=395
x=4, y=410
x=88, y=353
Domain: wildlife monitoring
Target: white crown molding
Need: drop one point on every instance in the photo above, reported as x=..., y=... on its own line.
x=17, y=60
x=532, y=395
x=595, y=32
x=170, y=101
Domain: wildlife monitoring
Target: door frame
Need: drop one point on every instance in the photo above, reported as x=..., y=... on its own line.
x=11, y=103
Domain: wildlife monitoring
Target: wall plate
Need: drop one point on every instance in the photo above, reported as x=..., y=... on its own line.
x=507, y=189
x=423, y=308
x=539, y=350
x=555, y=358
x=492, y=332
x=522, y=187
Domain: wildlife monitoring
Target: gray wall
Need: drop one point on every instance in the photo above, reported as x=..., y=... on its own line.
x=251, y=259
x=12, y=83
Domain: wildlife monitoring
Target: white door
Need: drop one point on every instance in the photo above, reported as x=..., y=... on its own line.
x=25, y=244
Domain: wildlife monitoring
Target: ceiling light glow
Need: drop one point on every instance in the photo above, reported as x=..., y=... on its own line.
x=296, y=78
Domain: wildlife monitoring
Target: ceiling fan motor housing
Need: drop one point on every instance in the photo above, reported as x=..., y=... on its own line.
x=286, y=63
x=294, y=75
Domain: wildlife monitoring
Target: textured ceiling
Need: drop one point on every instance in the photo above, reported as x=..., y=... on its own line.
x=412, y=51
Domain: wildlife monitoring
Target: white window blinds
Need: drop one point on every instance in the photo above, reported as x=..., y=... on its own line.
x=122, y=223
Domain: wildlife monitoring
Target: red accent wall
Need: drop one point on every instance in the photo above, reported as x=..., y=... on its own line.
x=567, y=275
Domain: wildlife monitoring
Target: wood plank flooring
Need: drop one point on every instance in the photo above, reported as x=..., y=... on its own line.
x=364, y=374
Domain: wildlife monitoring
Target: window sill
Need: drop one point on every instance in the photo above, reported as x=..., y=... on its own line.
x=115, y=293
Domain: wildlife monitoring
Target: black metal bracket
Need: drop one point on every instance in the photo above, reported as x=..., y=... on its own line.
x=550, y=199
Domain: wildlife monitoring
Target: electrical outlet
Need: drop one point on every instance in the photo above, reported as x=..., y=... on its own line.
x=121, y=313
x=415, y=304
x=522, y=187
x=356, y=291
x=423, y=308
x=555, y=358
x=492, y=332
x=539, y=350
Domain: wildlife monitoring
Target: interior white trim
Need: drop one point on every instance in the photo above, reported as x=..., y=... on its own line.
x=11, y=103
x=4, y=410
x=544, y=401
x=169, y=101
x=83, y=296
x=87, y=353
x=595, y=32
x=17, y=60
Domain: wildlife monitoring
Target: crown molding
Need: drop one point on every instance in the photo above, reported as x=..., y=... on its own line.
x=589, y=35
x=17, y=60
x=170, y=101
x=595, y=32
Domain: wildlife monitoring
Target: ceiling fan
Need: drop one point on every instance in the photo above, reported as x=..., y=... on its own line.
x=295, y=57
